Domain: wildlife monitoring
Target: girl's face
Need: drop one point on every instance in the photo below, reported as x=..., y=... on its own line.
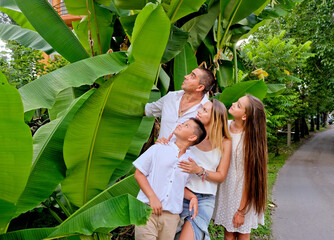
x=238, y=109
x=204, y=114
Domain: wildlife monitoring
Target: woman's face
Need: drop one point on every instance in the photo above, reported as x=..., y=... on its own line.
x=204, y=114
x=238, y=109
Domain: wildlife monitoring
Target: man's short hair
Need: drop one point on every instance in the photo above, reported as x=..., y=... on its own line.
x=199, y=130
x=207, y=79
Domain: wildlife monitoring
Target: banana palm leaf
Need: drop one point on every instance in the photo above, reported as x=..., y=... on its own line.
x=25, y=37
x=42, y=92
x=177, y=9
x=31, y=234
x=231, y=94
x=100, y=134
x=200, y=26
x=15, y=151
x=11, y=9
x=118, y=211
x=63, y=100
x=48, y=165
x=52, y=28
x=184, y=63
x=131, y=4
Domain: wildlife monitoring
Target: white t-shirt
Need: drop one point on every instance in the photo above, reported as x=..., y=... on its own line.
x=210, y=161
x=167, y=108
x=159, y=165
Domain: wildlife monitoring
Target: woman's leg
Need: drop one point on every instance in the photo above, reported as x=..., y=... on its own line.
x=243, y=236
x=187, y=232
x=229, y=235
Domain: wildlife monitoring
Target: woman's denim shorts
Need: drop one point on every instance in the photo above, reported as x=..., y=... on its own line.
x=206, y=204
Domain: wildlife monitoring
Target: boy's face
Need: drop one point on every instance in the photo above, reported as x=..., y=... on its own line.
x=186, y=130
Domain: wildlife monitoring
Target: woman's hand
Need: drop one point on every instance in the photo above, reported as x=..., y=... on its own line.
x=189, y=166
x=238, y=219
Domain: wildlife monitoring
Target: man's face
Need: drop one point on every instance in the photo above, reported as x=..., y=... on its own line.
x=192, y=81
x=185, y=130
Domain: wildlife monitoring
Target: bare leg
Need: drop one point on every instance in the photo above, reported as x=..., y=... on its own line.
x=187, y=232
x=229, y=235
x=243, y=236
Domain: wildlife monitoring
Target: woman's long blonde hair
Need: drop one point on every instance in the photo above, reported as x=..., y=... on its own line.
x=255, y=155
x=218, y=129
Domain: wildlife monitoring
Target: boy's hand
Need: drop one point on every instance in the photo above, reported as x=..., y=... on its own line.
x=155, y=204
x=193, y=205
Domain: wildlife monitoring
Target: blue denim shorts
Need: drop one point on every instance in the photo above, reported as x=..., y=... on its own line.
x=206, y=204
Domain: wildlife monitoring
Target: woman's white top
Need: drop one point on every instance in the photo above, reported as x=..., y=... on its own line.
x=210, y=161
x=230, y=192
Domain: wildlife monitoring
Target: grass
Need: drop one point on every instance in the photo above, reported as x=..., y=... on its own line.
x=274, y=164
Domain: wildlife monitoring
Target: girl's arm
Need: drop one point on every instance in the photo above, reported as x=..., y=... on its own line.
x=239, y=215
x=220, y=174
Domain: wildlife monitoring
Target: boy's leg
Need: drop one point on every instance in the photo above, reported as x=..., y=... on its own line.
x=167, y=225
x=148, y=231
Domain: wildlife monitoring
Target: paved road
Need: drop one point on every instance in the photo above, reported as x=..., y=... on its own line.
x=304, y=192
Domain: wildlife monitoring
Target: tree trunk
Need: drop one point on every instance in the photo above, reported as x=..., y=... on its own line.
x=302, y=127
x=305, y=126
x=324, y=119
x=318, y=121
x=296, y=137
x=312, y=124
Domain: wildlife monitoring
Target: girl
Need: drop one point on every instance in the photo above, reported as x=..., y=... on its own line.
x=241, y=198
x=213, y=159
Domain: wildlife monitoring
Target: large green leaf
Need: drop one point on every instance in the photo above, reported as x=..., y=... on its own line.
x=11, y=9
x=25, y=37
x=275, y=89
x=177, y=9
x=128, y=23
x=137, y=143
x=225, y=74
x=184, y=63
x=131, y=4
x=119, y=211
x=245, y=9
x=31, y=234
x=52, y=28
x=231, y=94
x=164, y=81
x=99, y=136
x=200, y=26
x=63, y=100
x=42, y=92
x=48, y=165
x=176, y=41
x=15, y=151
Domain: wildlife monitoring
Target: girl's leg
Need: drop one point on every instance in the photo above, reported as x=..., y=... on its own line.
x=187, y=232
x=229, y=235
x=243, y=236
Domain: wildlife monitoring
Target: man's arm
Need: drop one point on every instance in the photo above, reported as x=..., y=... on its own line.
x=154, y=108
x=145, y=186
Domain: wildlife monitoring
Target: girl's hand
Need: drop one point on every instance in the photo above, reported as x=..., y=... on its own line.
x=189, y=167
x=238, y=219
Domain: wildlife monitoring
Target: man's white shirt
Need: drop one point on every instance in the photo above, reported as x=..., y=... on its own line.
x=159, y=165
x=167, y=108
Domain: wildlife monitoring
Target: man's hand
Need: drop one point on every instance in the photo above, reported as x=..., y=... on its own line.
x=164, y=140
x=193, y=205
x=155, y=204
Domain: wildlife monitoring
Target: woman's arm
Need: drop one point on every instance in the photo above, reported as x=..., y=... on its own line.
x=220, y=174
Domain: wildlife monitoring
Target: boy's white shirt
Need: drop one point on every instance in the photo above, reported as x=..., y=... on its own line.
x=159, y=165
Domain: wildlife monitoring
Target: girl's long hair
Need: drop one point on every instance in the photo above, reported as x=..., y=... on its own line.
x=255, y=155
x=218, y=125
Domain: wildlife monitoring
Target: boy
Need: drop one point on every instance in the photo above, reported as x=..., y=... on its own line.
x=162, y=182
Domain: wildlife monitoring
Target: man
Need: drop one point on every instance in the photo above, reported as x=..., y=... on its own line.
x=177, y=107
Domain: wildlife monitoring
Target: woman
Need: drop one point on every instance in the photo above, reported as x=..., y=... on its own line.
x=241, y=198
x=213, y=160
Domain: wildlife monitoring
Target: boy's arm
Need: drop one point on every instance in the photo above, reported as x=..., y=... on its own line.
x=193, y=201
x=144, y=185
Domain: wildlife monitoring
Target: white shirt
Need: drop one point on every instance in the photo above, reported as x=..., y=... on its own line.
x=159, y=165
x=210, y=161
x=167, y=108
